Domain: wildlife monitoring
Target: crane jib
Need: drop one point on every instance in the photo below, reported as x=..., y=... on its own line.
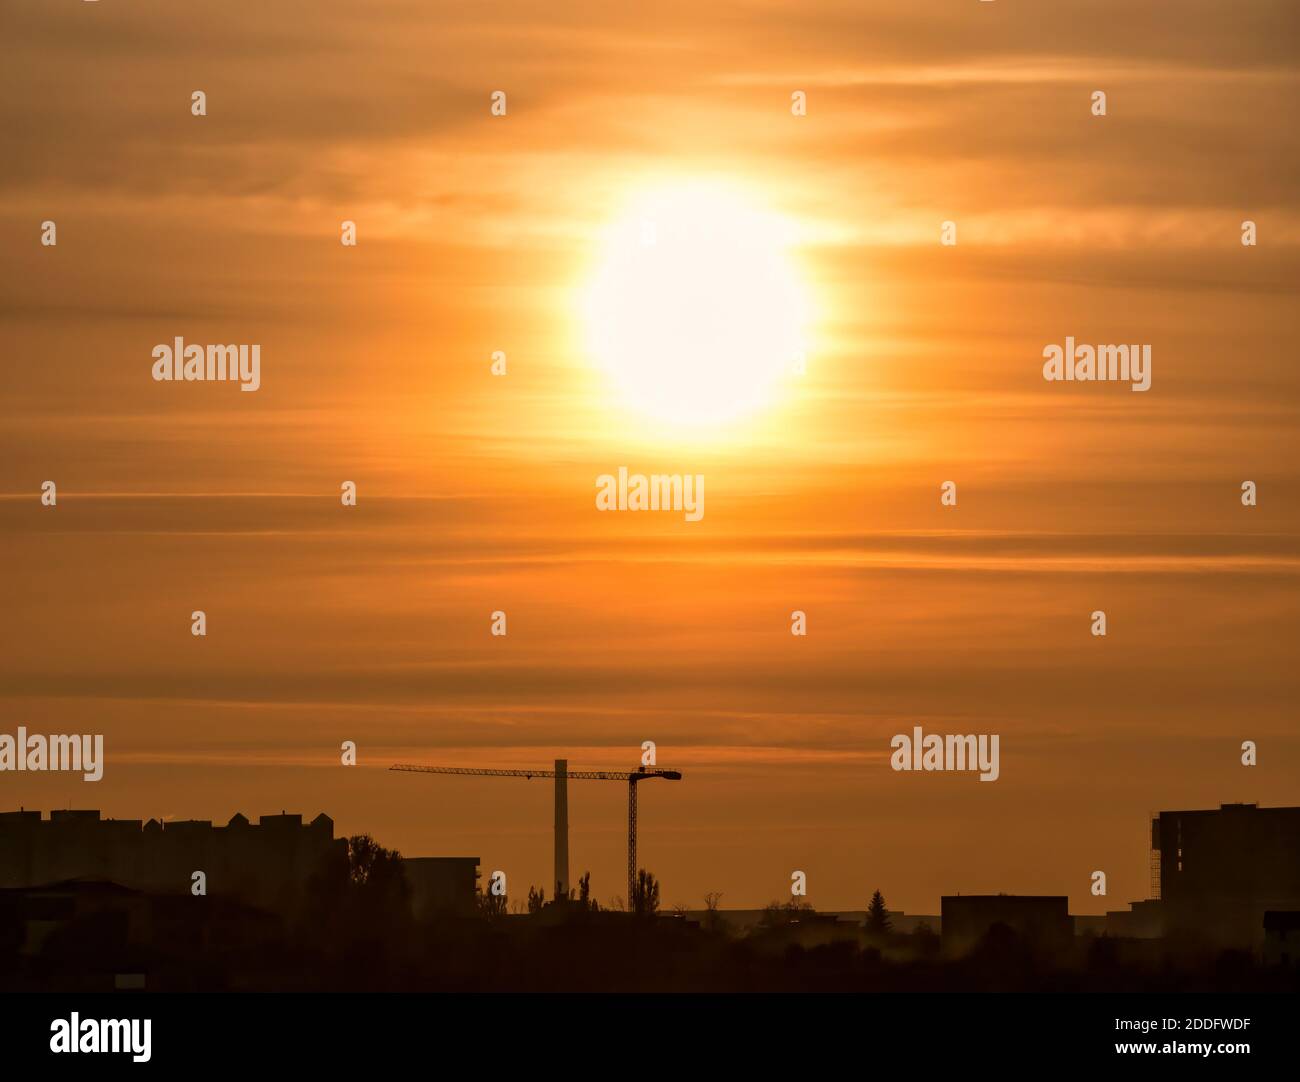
x=562, y=774
x=580, y=775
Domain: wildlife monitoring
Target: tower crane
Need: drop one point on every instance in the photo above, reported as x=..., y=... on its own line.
x=562, y=774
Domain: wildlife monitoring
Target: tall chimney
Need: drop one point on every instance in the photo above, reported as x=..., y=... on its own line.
x=561, y=828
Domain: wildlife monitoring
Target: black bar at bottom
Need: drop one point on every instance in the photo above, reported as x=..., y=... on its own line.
x=466, y=1032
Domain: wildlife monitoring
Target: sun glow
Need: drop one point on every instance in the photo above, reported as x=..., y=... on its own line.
x=695, y=311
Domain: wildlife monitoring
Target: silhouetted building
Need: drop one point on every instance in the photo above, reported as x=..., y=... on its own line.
x=743, y=921
x=1043, y=921
x=1141, y=920
x=1282, y=937
x=96, y=935
x=442, y=885
x=268, y=865
x=1221, y=870
x=29, y=916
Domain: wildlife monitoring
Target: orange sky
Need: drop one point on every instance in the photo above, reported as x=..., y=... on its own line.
x=476, y=493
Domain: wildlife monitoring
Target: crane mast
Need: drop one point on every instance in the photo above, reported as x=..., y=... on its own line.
x=562, y=774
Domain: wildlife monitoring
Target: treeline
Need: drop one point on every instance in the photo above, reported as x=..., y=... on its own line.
x=354, y=930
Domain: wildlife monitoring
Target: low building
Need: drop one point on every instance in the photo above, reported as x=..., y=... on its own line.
x=112, y=936
x=30, y=916
x=1282, y=937
x=442, y=885
x=743, y=921
x=1141, y=920
x=1042, y=921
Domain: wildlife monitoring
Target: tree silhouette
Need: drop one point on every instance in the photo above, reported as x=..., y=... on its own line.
x=370, y=864
x=779, y=914
x=712, y=918
x=924, y=940
x=585, y=900
x=536, y=899
x=878, y=922
x=359, y=900
x=381, y=895
x=645, y=899
x=492, y=906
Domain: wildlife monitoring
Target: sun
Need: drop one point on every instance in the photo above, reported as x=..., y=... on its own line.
x=696, y=311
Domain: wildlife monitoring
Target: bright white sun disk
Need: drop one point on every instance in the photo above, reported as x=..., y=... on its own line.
x=695, y=310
